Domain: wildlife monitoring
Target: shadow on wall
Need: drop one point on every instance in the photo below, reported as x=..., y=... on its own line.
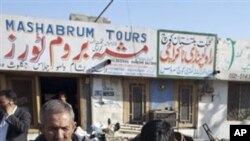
x=214, y=112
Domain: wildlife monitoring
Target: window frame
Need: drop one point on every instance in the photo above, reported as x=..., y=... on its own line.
x=194, y=105
x=235, y=92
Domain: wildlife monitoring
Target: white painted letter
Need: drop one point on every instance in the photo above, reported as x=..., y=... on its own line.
x=237, y=132
x=243, y=131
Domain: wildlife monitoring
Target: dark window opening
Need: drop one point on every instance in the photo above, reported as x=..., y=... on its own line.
x=51, y=86
x=185, y=104
x=238, y=101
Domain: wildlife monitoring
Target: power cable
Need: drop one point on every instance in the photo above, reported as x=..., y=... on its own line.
x=131, y=30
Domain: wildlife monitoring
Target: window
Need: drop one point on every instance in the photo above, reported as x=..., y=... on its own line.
x=137, y=103
x=239, y=107
x=187, y=105
x=136, y=97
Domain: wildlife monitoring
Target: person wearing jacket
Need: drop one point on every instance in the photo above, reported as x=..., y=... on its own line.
x=156, y=130
x=14, y=121
x=57, y=122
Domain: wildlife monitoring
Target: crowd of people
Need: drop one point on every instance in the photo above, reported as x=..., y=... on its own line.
x=57, y=122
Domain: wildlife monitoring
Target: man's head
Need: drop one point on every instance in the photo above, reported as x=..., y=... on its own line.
x=157, y=130
x=57, y=121
x=7, y=98
x=62, y=96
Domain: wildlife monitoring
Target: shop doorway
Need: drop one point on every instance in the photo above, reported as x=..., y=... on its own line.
x=136, y=100
x=51, y=86
x=137, y=103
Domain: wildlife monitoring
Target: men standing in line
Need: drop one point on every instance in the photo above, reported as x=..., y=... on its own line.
x=14, y=121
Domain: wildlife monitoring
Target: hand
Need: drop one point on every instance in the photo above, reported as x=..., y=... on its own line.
x=9, y=108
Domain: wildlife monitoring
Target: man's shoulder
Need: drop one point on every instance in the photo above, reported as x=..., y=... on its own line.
x=74, y=138
x=21, y=110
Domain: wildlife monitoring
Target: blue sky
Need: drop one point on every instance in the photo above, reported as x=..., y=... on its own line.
x=226, y=18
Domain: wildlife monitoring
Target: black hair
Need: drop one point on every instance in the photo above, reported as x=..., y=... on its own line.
x=61, y=93
x=157, y=130
x=10, y=94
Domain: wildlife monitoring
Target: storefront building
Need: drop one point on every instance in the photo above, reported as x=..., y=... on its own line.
x=41, y=57
x=121, y=73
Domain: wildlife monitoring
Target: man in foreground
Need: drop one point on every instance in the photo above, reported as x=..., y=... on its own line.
x=57, y=122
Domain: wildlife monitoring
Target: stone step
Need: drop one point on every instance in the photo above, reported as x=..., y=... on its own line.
x=132, y=129
x=132, y=125
x=129, y=128
x=129, y=131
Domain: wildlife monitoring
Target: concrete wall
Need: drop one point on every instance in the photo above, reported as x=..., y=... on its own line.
x=105, y=107
x=214, y=113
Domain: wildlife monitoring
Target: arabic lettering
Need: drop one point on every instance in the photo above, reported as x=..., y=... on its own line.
x=187, y=41
x=36, y=61
x=179, y=39
x=164, y=39
x=61, y=67
x=121, y=47
x=77, y=67
x=16, y=65
x=11, y=65
x=41, y=66
x=52, y=44
x=206, y=43
x=196, y=56
x=189, y=71
x=36, y=51
x=120, y=55
x=22, y=64
x=174, y=39
x=81, y=54
x=67, y=52
x=10, y=54
x=24, y=55
x=98, y=45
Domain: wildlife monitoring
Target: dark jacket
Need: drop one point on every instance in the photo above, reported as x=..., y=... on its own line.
x=74, y=138
x=19, y=124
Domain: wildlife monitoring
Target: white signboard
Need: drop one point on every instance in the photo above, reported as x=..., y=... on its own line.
x=183, y=54
x=233, y=60
x=43, y=45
